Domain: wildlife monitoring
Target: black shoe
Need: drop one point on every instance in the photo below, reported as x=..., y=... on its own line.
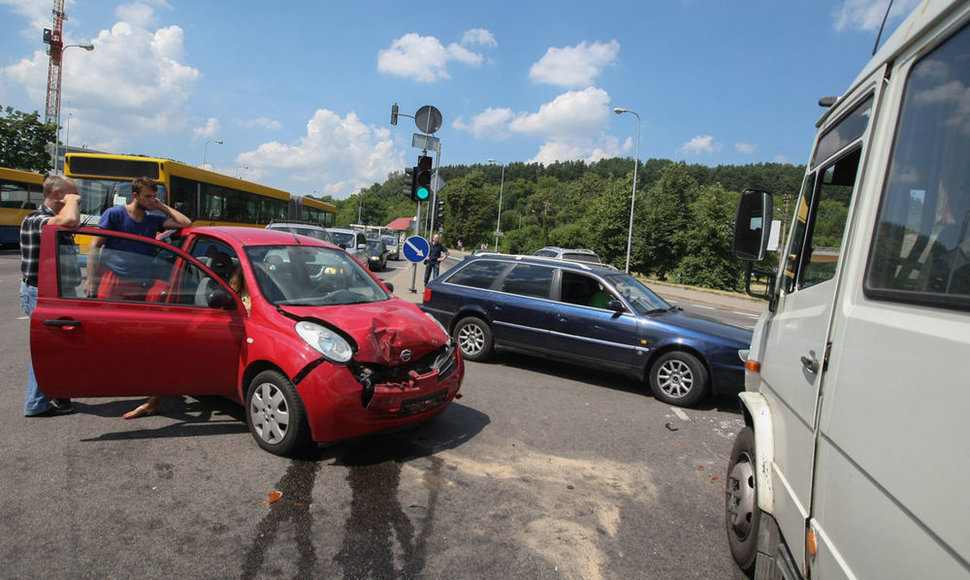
x=54, y=411
x=62, y=404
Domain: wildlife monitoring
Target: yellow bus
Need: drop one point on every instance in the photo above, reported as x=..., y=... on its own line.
x=21, y=192
x=307, y=209
x=206, y=197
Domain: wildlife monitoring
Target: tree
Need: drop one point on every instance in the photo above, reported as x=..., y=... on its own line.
x=708, y=260
x=24, y=140
x=663, y=220
x=608, y=222
x=470, y=211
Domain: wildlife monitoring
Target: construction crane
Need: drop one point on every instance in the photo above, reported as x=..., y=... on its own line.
x=53, y=38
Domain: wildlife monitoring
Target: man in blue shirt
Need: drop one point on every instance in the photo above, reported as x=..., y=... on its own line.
x=113, y=272
x=436, y=255
x=116, y=269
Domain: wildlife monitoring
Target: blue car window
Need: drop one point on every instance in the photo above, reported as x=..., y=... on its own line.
x=529, y=280
x=479, y=274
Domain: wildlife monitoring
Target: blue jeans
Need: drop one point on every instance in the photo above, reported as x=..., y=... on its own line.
x=37, y=402
x=432, y=266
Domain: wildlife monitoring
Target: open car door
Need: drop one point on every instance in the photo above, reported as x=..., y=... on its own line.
x=178, y=332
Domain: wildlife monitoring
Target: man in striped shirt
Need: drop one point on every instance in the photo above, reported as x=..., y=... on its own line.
x=62, y=207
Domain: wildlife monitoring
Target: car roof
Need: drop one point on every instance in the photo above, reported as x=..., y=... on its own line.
x=274, y=225
x=547, y=261
x=255, y=236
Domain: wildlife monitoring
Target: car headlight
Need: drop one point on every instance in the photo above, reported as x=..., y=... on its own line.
x=326, y=341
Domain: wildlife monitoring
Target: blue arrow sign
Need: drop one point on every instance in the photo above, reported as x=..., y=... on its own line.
x=416, y=249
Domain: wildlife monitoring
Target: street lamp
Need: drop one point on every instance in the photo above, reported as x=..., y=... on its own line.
x=633, y=200
x=88, y=47
x=501, y=188
x=205, y=149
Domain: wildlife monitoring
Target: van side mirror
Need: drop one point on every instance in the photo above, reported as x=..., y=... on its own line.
x=752, y=225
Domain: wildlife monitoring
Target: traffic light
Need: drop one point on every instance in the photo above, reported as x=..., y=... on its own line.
x=439, y=214
x=422, y=179
x=409, y=183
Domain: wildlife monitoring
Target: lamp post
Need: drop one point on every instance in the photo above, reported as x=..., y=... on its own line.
x=205, y=149
x=501, y=189
x=57, y=119
x=633, y=200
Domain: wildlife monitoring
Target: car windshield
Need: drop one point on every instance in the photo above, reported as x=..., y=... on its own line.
x=389, y=241
x=642, y=299
x=312, y=276
x=343, y=239
x=375, y=245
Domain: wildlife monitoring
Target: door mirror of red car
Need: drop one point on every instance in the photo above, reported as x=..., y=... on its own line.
x=219, y=298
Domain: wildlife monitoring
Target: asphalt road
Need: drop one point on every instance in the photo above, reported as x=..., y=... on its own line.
x=539, y=471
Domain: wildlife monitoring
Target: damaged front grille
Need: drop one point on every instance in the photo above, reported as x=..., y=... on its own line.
x=405, y=377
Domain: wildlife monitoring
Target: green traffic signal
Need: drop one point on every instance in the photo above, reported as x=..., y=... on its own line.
x=422, y=178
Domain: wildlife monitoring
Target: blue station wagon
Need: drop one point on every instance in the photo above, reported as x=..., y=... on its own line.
x=589, y=315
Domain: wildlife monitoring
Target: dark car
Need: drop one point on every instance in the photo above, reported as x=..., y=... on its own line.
x=378, y=255
x=589, y=315
x=295, y=329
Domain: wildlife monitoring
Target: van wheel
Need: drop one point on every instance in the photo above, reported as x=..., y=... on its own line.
x=741, y=501
x=275, y=414
x=474, y=338
x=678, y=378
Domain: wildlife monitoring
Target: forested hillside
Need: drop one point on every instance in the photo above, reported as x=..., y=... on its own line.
x=683, y=216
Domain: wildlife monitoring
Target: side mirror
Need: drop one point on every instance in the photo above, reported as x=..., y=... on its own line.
x=219, y=298
x=752, y=225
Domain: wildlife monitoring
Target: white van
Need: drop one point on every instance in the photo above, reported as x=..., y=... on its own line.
x=855, y=458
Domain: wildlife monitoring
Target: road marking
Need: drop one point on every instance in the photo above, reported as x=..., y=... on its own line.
x=680, y=413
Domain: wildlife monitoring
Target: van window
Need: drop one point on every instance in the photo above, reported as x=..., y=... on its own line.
x=921, y=247
x=823, y=208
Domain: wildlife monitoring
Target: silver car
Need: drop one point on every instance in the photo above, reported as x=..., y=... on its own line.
x=353, y=241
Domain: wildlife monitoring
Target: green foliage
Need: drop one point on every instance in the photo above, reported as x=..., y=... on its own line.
x=707, y=260
x=663, y=222
x=24, y=139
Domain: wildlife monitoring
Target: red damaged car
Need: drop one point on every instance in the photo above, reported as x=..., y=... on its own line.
x=294, y=328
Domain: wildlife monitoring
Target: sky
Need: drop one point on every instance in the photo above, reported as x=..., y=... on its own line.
x=299, y=92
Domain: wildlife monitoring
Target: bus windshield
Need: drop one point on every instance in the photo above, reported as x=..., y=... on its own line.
x=97, y=195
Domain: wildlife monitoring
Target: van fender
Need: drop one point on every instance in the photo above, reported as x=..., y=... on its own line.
x=757, y=415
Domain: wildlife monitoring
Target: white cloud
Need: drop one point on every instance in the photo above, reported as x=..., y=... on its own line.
x=572, y=126
x=341, y=152
x=867, y=15
x=745, y=148
x=135, y=78
x=424, y=58
x=211, y=130
x=572, y=114
x=574, y=66
x=700, y=145
x=489, y=124
x=260, y=122
x=478, y=36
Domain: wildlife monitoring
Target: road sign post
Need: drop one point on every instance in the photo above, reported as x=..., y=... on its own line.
x=416, y=249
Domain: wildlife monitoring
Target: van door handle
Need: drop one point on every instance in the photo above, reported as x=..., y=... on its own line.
x=810, y=362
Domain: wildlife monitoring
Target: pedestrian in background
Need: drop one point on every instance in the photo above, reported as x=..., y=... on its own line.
x=61, y=207
x=114, y=275
x=436, y=255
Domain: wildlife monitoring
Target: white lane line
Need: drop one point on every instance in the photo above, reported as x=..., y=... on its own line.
x=680, y=413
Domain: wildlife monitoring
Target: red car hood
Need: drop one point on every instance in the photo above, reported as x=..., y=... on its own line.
x=382, y=330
